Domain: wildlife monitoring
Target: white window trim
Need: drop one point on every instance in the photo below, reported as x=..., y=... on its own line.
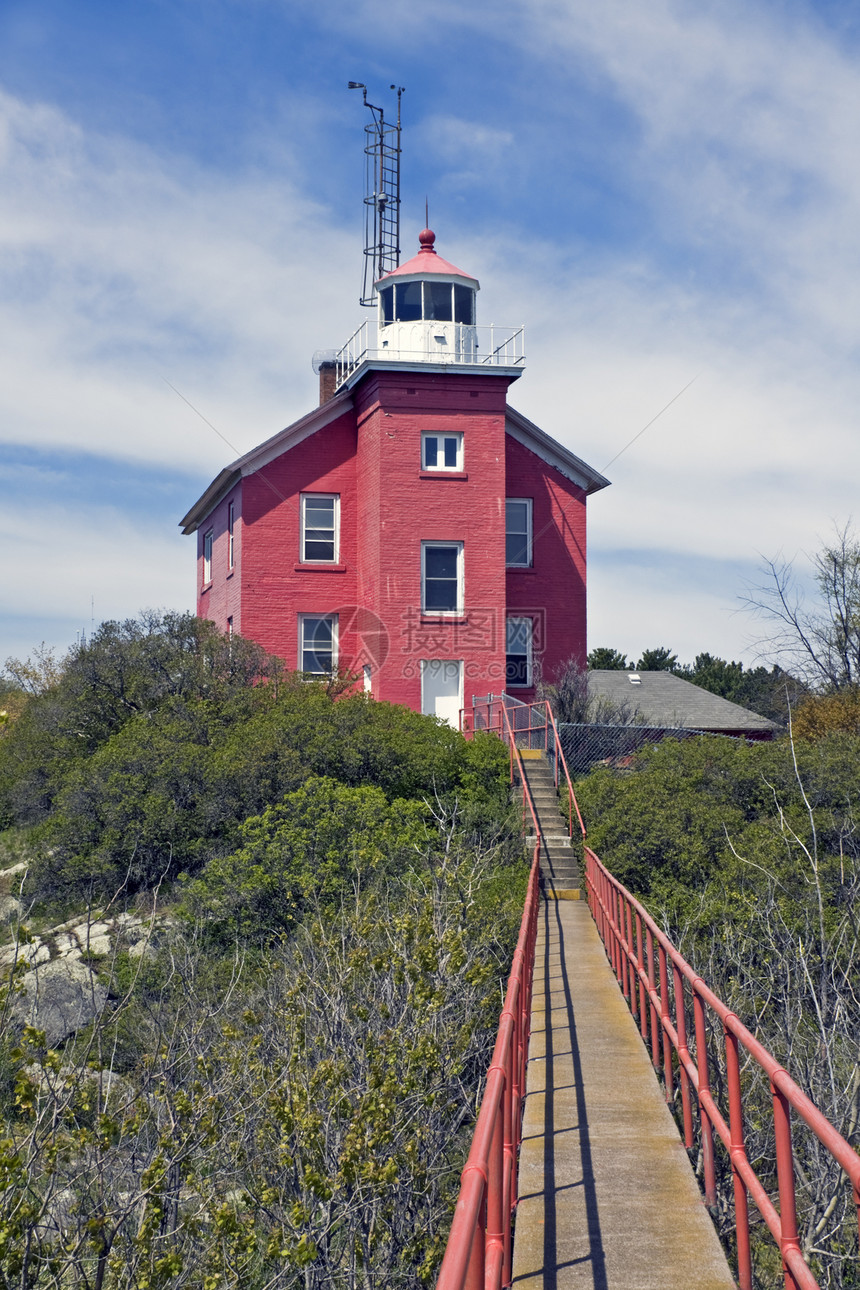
x=527, y=564
x=231, y=535
x=443, y=434
x=335, y=497
x=443, y=613
x=334, y=643
x=208, y=543
x=516, y=618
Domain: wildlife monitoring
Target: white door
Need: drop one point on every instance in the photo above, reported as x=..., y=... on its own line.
x=442, y=689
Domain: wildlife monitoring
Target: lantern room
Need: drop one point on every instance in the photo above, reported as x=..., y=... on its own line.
x=427, y=308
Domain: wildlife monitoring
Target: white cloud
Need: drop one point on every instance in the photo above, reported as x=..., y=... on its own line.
x=121, y=270
x=68, y=561
x=120, y=267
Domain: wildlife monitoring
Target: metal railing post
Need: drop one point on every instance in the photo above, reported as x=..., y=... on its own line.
x=665, y=1022
x=652, y=990
x=738, y=1154
x=703, y=1088
x=629, y=974
x=789, y=1242
x=683, y=1056
x=640, y=976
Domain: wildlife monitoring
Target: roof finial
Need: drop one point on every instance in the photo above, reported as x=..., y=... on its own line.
x=426, y=213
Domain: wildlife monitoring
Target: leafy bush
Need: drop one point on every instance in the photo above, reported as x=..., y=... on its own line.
x=161, y=737
x=312, y=849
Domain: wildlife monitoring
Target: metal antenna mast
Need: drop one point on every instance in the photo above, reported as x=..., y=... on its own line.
x=382, y=194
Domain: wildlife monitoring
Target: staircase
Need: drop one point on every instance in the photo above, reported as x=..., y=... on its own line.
x=559, y=860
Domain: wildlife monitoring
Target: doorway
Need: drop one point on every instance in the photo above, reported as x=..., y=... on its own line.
x=442, y=689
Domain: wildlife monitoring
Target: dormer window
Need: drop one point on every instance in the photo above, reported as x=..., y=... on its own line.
x=430, y=301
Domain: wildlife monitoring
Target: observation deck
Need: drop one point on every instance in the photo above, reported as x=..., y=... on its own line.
x=434, y=346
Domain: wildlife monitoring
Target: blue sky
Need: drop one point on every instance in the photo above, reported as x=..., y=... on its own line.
x=659, y=193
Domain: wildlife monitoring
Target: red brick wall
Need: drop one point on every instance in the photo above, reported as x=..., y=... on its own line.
x=274, y=590
x=553, y=589
x=401, y=506
x=220, y=599
x=371, y=457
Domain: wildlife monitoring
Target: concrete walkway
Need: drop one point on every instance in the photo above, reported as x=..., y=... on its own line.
x=608, y=1200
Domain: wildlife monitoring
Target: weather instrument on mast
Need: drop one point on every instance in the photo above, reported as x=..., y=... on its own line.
x=382, y=194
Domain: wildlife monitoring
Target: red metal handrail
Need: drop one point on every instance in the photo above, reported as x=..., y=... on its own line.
x=620, y=920
x=496, y=720
x=572, y=803
x=478, y=1255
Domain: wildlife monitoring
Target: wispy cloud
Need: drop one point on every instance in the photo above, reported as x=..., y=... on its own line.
x=121, y=269
x=659, y=192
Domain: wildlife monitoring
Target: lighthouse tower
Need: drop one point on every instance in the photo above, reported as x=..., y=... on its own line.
x=414, y=529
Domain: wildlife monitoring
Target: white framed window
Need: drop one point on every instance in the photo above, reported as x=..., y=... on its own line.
x=320, y=536
x=441, y=451
x=518, y=651
x=318, y=644
x=518, y=532
x=207, y=557
x=231, y=525
x=442, y=577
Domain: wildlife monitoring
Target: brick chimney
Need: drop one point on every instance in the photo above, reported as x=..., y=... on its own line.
x=328, y=378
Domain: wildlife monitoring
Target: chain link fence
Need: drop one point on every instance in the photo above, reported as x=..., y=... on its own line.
x=587, y=745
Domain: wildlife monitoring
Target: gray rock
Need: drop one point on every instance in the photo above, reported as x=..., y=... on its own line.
x=13, y=869
x=139, y=949
x=91, y=930
x=32, y=954
x=59, y=998
x=67, y=943
x=10, y=909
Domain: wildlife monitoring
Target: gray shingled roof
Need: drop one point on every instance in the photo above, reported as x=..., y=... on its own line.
x=666, y=700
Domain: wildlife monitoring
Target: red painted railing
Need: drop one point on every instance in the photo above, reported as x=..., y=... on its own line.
x=652, y=974
x=478, y=1254
x=572, y=804
x=531, y=725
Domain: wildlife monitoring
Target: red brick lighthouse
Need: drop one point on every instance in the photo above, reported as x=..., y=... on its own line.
x=414, y=528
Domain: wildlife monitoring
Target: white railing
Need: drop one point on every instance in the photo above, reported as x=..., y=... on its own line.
x=456, y=344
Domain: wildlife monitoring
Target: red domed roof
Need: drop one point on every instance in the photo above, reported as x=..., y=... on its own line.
x=428, y=262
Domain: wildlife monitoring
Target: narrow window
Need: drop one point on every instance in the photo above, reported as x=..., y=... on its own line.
x=320, y=527
x=207, y=557
x=231, y=524
x=318, y=644
x=518, y=532
x=518, y=653
x=408, y=301
x=230, y=628
x=442, y=577
x=464, y=300
x=437, y=301
x=442, y=451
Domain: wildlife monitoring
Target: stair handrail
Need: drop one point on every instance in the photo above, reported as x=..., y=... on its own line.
x=646, y=962
x=527, y=796
x=479, y=1251
x=572, y=803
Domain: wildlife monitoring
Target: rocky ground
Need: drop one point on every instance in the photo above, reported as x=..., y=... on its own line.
x=58, y=988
